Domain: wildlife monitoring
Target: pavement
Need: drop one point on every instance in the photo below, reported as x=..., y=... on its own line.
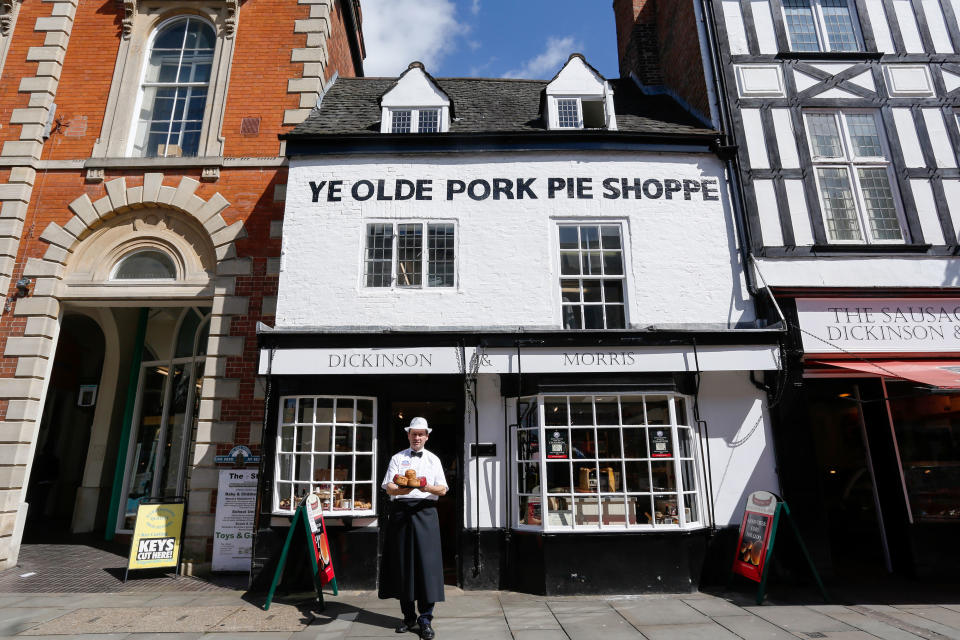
x=468, y=615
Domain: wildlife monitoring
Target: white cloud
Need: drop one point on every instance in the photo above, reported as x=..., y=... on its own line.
x=547, y=63
x=397, y=32
x=475, y=7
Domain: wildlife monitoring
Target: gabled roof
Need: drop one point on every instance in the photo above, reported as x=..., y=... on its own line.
x=352, y=107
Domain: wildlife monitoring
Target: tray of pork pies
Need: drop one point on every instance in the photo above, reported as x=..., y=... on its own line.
x=409, y=479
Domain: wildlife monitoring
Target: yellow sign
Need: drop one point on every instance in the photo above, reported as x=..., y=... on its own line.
x=156, y=536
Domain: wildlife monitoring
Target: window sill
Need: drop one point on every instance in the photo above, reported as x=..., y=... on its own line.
x=123, y=163
x=870, y=248
x=641, y=529
x=829, y=55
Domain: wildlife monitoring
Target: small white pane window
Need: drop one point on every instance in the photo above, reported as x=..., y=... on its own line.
x=592, y=276
x=145, y=265
x=853, y=177
x=326, y=445
x=821, y=25
x=568, y=113
x=394, y=255
x=174, y=90
x=606, y=462
x=415, y=120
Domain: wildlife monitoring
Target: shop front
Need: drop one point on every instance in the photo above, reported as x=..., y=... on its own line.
x=877, y=413
x=573, y=469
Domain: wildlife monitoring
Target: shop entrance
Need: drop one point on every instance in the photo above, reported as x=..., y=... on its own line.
x=857, y=474
x=446, y=420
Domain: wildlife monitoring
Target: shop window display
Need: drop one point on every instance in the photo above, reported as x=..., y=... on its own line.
x=326, y=444
x=606, y=462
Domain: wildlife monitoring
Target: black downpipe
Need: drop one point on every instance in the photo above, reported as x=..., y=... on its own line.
x=472, y=394
x=705, y=461
x=262, y=489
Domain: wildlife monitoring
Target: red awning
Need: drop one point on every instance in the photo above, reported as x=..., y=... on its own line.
x=937, y=373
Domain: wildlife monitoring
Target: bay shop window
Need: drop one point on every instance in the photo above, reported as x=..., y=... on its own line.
x=606, y=462
x=326, y=445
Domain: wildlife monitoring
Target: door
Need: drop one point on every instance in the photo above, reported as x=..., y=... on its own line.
x=446, y=420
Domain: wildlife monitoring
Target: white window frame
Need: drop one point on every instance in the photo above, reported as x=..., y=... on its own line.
x=554, y=111
x=415, y=119
x=820, y=27
x=544, y=496
x=624, y=253
x=850, y=163
x=148, y=249
x=424, y=259
x=314, y=484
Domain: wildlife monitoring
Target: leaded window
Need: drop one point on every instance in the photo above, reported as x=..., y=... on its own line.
x=414, y=120
x=589, y=462
x=394, y=255
x=592, y=276
x=326, y=445
x=854, y=178
x=821, y=25
x=568, y=113
x=174, y=90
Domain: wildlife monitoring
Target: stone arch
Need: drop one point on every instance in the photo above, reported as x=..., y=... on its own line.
x=42, y=311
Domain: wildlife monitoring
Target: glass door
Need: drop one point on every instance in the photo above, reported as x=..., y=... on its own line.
x=166, y=409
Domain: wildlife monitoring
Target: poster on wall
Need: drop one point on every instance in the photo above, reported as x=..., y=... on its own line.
x=660, y=442
x=756, y=530
x=233, y=529
x=157, y=534
x=557, y=445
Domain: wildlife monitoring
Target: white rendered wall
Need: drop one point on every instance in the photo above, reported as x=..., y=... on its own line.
x=682, y=261
x=861, y=272
x=741, y=447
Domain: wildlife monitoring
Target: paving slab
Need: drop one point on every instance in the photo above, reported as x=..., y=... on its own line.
x=311, y=633
x=479, y=605
x=529, y=617
x=714, y=606
x=112, y=619
x=539, y=634
x=84, y=636
x=751, y=627
x=278, y=618
x=369, y=624
x=874, y=626
x=579, y=606
x=896, y=616
x=698, y=631
x=106, y=600
x=590, y=625
x=492, y=628
x=17, y=620
x=848, y=635
x=934, y=612
x=164, y=636
x=798, y=619
x=259, y=635
x=655, y=613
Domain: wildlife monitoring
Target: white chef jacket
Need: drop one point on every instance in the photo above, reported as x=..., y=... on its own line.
x=427, y=466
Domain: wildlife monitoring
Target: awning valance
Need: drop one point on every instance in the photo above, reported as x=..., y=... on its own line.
x=944, y=374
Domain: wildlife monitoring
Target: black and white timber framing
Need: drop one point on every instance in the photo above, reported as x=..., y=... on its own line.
x=768, y=87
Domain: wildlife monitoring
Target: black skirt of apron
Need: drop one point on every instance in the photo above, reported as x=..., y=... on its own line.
x=412, y=560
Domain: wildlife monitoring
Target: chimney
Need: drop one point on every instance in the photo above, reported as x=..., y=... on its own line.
x=637, y=41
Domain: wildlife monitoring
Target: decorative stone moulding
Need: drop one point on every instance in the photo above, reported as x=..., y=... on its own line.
x=6, y=16
x=130, y=8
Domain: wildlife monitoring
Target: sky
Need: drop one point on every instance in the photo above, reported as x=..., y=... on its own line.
x=488, y=38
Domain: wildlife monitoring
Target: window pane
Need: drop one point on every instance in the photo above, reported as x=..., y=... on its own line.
x=569, y=238
x=663, y=476
x=343, y=438
x=305, y=414
x=592, y=262
x=147, y=265
x=364, y=467
x=665, y=509
x=691, y=511
x=568, y=113
x=658, y=410
x=878, y=199
x=558, y=477
x=635, y=443
x=572, y=317
x=286, y=439
x=322, y=436
x=528, y=478
x=610, y=236
x=608, y=442
x=528, y=444
x=636, y=476
x=613, y=511
x=839, y=25
x=530, y=511
x=592, y=291
x=570, y=290
x=615, y=317
x=612, y=263
x=343, y=468
x=589, y=237
x=585, y=477
x=581, y=410
x=570, y=264
x=689, y=472
x=409, y=254
x=364, y=439
x=613, y=290
x=429, y=121
x=583, y=446
x=558, y=443
x=400, y=121
x=365, y=411
x=556, y=411
x=606, y=408
x=685, y=444
x=321, y=468
x=286, y=467
x=800, y=25
x=824, y=135
x=559, y=512
x=640, y=509
x=680, y=410
x=363, y=497
x=587, y=511
x=839, y=209
x=324, y=410
x=289, y=410
x=440, y=259
x=593, y=317
x=864, y=136
x=379, y=255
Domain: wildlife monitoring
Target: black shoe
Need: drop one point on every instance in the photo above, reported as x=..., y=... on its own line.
x=407, y=625
x=426, y=632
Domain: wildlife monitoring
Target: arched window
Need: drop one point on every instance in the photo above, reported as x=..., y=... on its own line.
x=145, y=265
x=174, y=90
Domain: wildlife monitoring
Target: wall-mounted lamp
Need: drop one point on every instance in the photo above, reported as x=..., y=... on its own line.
x=23, y=290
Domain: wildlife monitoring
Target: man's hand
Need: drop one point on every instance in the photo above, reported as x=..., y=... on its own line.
x=435, y=489
x=394, y=490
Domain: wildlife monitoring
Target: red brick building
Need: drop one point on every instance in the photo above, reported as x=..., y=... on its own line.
x=142, y=186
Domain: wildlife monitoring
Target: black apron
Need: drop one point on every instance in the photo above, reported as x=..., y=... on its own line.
x=412, y=561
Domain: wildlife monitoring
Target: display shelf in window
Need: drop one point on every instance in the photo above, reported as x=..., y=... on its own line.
x=326, y=445
x=608, y=462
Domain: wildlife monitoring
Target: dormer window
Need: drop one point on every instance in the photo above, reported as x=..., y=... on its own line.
x=579, y=98
x=415, y=104
x=414, y=120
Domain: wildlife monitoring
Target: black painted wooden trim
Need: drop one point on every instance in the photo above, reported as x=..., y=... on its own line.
x=847, y=250
x=808, y=177
x=828, y=81
x=779, y=190
x=925, y=36
x=906, y=194
x=749, y=27
x=851, y=103
x=943, y=211
x=783, y=209
x=949, y=116
x=923, y=172
x=926, y=147
x=829, y=56
x=779, y=29
x=936, y=182
x=770, y=139
x=894, y=26
x=866, y=28
x=770, y=174
x=950, y=17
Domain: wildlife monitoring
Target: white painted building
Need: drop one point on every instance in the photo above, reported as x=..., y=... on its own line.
x=549, y=273
x=845, y=115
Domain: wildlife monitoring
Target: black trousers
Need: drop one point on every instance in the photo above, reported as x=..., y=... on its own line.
x=412, y=559
x=410, y=611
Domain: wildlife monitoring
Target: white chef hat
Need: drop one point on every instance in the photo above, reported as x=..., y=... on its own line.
x=418, y=423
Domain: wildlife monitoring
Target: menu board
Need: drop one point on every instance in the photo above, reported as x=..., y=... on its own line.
x=756, y=532
x=233, y=528
x=318, y=535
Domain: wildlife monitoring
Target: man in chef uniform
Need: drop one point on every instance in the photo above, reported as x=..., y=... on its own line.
x=413, y=565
